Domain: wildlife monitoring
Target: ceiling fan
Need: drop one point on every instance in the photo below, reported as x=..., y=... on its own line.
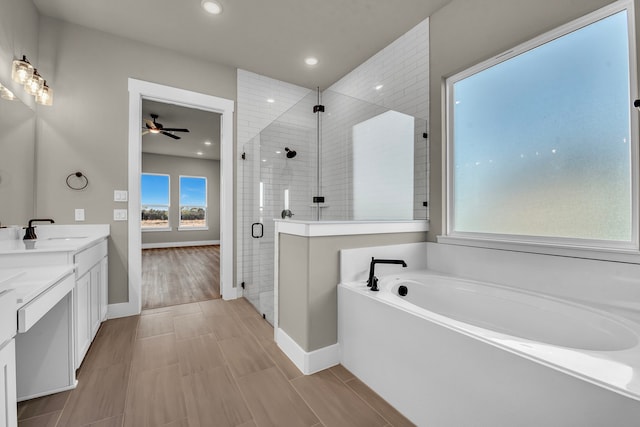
x=152, y=126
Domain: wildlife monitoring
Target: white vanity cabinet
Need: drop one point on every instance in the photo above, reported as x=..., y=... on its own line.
x=8, y=408
x=90, y=300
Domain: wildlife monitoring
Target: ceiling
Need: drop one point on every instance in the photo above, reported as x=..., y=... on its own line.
x=271, y=37
x=203, y=126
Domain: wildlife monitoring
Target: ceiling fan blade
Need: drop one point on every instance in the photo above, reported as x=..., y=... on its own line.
x=150, y=124
x=170, y=134
x=175, y=130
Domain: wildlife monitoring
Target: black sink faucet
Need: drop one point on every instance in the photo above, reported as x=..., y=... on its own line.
x=373, y=280
x=30, y=231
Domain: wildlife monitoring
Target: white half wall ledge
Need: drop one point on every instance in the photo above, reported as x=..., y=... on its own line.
x=342, y=228
x=180, y=244
x=308, y=362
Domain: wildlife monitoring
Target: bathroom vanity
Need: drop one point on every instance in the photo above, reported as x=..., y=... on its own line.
x=59, y=284
x=8, y=410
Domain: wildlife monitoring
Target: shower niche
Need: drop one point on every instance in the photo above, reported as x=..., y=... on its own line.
x=349, y=161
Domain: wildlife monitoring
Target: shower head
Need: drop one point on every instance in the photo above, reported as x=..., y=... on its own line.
x=290, y=153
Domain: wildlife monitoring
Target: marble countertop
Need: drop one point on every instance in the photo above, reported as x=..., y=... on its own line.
x=28, y=283
x=56, y=238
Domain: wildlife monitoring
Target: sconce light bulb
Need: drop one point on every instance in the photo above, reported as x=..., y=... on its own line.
x=21, y=70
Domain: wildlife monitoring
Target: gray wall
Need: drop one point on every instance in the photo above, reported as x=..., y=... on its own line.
x=87, y=127
x=309, y=273
x=466, y=32
x=174, y=167
x=18, y=36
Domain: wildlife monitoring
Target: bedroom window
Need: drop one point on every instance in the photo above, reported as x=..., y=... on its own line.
x=193, y=203
x=542, y=140
x=154, y=192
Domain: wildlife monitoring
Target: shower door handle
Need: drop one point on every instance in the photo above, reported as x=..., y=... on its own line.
x=253, y=230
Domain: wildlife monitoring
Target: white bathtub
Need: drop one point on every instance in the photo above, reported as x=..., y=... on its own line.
x=455, y=352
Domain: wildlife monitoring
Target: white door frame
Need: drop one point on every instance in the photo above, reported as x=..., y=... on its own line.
x=138, y=90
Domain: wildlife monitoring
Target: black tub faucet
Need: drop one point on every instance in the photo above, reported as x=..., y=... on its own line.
x=30, y=231
x=373, y=280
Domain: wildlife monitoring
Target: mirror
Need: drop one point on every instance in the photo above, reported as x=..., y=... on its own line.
x=17, y=159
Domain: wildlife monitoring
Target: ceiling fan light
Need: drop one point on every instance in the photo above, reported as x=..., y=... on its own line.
x=154, y=131
x=21, y=70
x=212, y=6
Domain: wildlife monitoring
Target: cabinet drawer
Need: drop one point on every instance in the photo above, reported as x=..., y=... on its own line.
x=37, y=308
x=89, y=257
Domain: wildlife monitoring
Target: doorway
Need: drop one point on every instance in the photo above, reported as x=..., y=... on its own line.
x=137, y=91
x=180, y=204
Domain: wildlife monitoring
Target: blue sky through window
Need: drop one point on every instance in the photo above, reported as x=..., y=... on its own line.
x=193, y=191
x=155, y=190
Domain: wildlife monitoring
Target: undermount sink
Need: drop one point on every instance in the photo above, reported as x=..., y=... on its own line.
x=66, y=238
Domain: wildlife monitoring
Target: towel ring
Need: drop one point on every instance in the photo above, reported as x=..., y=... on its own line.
x=82, y=181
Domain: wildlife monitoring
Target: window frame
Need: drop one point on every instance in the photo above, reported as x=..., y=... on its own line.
x=206, y=205
x=577, y=247
x=168, y=227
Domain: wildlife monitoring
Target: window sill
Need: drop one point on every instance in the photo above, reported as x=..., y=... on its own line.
x=193, y=228
x=631, y=256
x=148, y=230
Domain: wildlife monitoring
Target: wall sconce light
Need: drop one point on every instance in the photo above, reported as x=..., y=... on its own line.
x=24, y=73
x=34, y=84
x=6, y=94
x=45, y=95
x=21, y=70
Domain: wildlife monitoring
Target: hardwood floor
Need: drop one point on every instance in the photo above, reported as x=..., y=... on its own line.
x=211, y=363
x=172, y=276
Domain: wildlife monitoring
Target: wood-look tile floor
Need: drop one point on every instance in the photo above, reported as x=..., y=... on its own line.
x=211, y=363
x=172, y=276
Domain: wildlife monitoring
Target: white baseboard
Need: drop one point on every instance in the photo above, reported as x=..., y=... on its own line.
x=308, y=362
x=180, y=244
x=123, y=309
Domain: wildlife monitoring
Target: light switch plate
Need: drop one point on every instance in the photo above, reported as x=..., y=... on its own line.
x=120, y=195
x=79, y=215
x=119, y=214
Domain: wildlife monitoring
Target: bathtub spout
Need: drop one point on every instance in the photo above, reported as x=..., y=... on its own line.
x=373, y=280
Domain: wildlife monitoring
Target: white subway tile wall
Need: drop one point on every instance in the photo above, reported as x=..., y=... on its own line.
x=395, y=78
x=262, y=100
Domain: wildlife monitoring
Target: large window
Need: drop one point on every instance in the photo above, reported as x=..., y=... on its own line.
x=540, y=141
x=155, y=201
x=193, y=202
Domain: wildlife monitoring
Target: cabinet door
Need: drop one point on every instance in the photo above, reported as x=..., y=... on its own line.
x=96, y=292
x=8, y=400
x=83, y=317
x=104, y=288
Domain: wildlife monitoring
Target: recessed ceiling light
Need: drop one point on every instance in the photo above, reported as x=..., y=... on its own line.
x=264, y=160
x=278, y=152
x=378, y=87
x=200, y=153
x=271, y=100
x=311, y=60
x=212, y=6
x=207, y=143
